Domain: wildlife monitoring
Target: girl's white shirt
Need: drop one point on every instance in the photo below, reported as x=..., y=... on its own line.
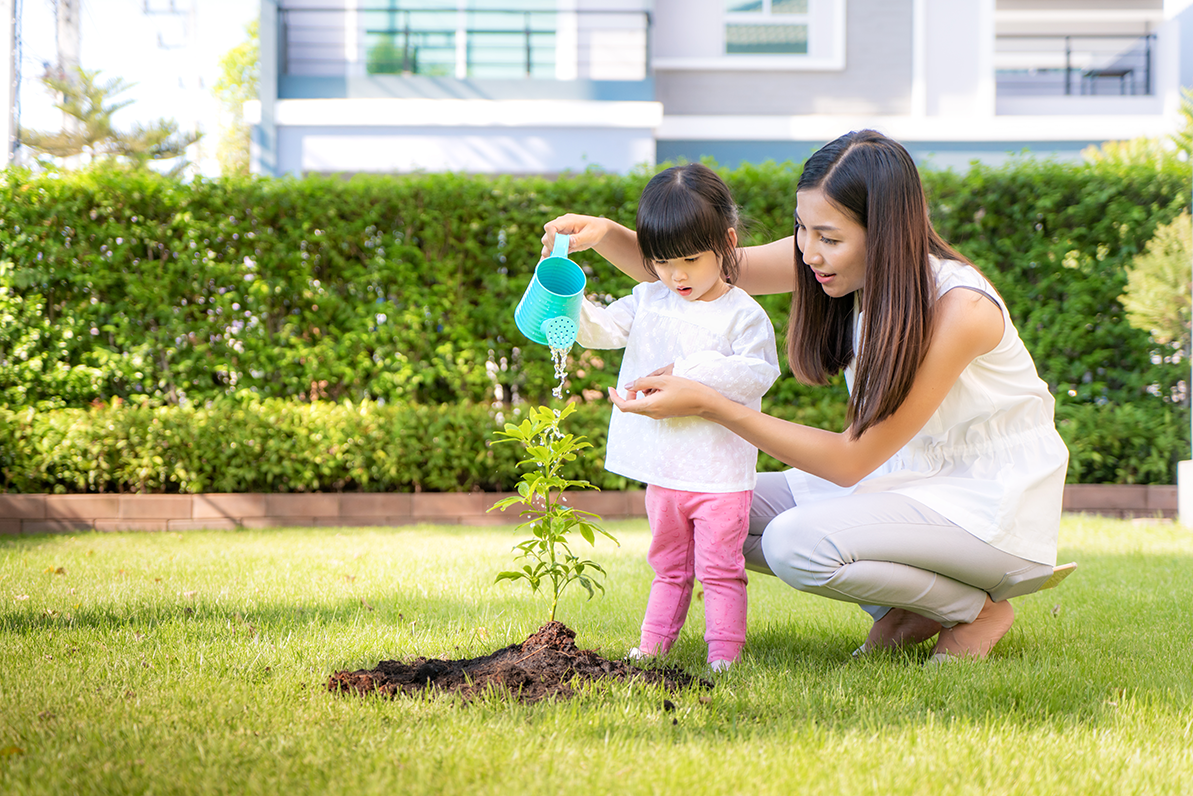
x=990, y=458
x=727, y=343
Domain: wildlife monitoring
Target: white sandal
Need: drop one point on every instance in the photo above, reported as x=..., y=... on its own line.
x=1058, y=574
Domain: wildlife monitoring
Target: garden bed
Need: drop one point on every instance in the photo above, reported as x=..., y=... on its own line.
x=546, y=665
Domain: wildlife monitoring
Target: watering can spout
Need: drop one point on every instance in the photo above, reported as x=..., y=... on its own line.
x=560, y=332
x=549, y=312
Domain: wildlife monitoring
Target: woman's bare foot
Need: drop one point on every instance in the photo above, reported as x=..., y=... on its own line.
x=977, y=638
x=900, y=628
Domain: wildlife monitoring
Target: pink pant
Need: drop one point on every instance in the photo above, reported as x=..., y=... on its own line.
x=701, y=534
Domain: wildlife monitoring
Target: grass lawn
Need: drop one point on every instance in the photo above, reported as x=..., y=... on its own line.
x=197, y=662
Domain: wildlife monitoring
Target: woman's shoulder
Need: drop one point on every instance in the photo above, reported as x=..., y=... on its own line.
x=952, y=273
x=970, y=322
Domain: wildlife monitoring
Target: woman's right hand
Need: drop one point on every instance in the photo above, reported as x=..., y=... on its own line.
x=662, y=397
x=584, y=232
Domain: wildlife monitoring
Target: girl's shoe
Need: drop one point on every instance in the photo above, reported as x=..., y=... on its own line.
x=720, y=665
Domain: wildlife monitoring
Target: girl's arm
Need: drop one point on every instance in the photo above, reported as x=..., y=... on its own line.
x=748, y=371
x=967, y=326
x=765, y=269
x=611, y=240
x=607, y=327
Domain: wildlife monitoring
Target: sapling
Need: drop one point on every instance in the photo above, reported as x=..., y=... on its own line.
x=551, y=565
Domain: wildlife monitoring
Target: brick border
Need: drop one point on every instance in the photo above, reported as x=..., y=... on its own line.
x=31, y=514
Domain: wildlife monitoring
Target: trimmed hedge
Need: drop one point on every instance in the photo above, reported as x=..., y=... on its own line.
x=275, y=445
x=400, y=290
x=118, y=284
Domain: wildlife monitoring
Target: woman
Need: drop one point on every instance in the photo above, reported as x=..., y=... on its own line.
x=942, y=498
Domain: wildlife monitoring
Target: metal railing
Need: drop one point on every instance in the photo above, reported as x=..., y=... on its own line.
x=464, y=43
x=1042, y=65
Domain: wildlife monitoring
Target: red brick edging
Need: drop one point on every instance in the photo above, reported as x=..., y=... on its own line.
x=58, y=513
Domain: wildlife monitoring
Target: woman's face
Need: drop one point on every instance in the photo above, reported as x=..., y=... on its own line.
x=832, y=242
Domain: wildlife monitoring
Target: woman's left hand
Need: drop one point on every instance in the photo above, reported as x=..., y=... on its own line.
x=666, y=396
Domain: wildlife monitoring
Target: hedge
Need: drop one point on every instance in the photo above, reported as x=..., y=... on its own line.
x=385, y=290
x=245, y=444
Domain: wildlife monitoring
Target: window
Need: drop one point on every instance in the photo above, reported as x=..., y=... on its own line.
x=766, y=27
x=757, y=35
x=461, y=38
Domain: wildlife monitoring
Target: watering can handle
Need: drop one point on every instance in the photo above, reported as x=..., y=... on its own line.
x=561, y=246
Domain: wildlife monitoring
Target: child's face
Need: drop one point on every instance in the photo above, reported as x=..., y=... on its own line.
x=696, y=277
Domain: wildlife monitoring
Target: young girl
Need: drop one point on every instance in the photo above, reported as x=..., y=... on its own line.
x=942, y=498
x=700, y=476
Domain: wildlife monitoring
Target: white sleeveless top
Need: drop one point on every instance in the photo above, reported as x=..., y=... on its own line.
x=990, y=458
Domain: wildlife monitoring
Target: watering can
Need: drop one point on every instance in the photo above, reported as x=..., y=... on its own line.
x=550, y=309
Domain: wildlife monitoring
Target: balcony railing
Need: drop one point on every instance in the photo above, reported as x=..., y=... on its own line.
x=1074, y=65
x=464, y=43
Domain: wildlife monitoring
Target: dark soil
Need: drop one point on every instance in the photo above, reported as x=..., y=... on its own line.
x=548, y=664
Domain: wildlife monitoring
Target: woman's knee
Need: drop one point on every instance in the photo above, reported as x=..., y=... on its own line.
x=789, y=544
x=772, y=496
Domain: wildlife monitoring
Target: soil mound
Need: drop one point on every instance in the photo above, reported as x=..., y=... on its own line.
x=544, y=665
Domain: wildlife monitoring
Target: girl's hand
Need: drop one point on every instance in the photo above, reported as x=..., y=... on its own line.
x=585, y=232
x=666, y=396
x=632, y=392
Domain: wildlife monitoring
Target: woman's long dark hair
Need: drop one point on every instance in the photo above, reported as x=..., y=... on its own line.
x=872, y=179
x=685, y=210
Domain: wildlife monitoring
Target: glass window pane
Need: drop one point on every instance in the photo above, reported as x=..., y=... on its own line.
x=789, y=6
x=767, y=39
x=395, y=5
x=743, y=6
x=494, y=54
x=506, y=5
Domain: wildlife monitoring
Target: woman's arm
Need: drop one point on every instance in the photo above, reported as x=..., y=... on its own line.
x=967, y=326
x=765, y=269
x=769, y=268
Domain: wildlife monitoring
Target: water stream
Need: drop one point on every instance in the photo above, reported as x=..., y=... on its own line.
x=559, y=357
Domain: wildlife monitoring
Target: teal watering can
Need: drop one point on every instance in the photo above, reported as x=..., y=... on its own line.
x=550, y=309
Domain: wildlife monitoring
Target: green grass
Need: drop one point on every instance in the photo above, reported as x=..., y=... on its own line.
x=197, y=662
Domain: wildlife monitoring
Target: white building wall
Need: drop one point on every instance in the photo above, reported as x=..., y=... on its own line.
x=526, y=150
x=8, y=76
x=483, y=136
x=957, y=45
x=874, y=77
x=920, y=70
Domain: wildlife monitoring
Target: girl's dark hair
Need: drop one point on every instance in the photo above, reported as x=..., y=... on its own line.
x=872, y=179
x=685, y=210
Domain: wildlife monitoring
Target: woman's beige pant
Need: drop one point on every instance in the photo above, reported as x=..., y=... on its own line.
x=881, y=550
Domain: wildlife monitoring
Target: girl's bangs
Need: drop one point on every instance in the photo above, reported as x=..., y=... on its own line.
x=690, y=228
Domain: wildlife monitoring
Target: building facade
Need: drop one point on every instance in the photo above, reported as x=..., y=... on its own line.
x=545, y=86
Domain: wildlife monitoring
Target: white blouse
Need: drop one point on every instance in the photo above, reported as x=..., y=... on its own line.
x=727, y=344
x=990, y=458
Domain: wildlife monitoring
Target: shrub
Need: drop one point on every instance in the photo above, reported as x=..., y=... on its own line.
x=247, y=444
x=383, y=290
